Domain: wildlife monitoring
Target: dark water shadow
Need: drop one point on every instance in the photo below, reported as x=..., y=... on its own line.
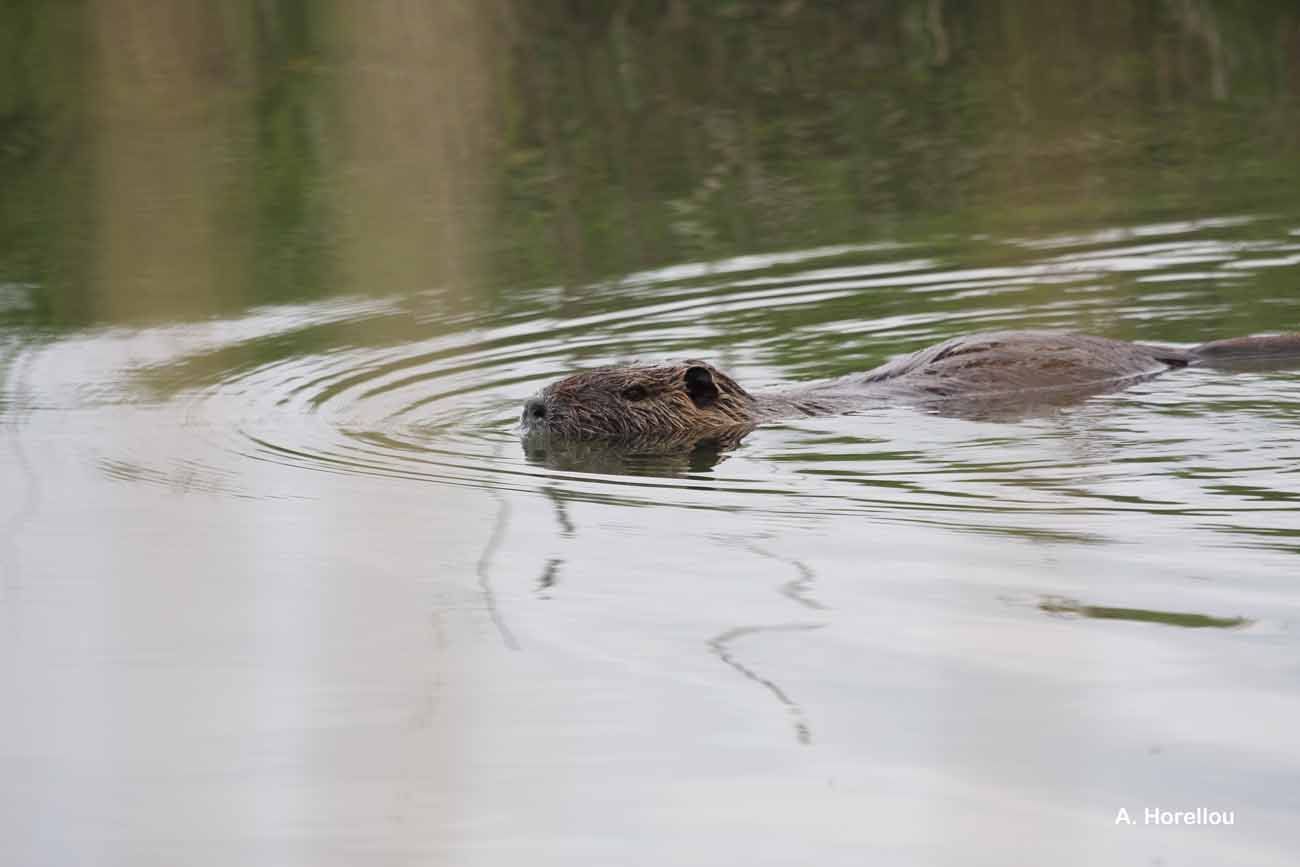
x=799, y=589
x=559, y=499
x=666, y=459
x=549, y=578
x=483, y=569
x=721, y=646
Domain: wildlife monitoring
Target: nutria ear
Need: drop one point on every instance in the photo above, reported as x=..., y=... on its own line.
x=700, y=386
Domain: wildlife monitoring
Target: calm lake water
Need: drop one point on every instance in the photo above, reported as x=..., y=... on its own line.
x=280, y=584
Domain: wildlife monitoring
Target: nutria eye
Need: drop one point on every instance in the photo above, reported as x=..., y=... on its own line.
x=634, y=392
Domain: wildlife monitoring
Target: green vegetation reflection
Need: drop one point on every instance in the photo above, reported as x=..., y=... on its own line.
x=1062, y=606
x=210, y=158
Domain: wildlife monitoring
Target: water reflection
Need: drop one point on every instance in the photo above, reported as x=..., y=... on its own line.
x=484, y=571
x=652, y=457
x=800, y=588
x=479, y=149
x=409, y=405
x=279, y=579
x=722, y=646
x=1063, y=607
x=25, y=486
x=549, y=578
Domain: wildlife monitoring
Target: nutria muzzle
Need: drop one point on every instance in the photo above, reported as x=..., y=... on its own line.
x=534, y=411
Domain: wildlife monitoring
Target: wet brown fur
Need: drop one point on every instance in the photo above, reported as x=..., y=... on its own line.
x=988, y=375
x=599, y=404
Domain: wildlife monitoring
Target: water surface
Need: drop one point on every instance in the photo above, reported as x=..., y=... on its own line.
x=282, y=585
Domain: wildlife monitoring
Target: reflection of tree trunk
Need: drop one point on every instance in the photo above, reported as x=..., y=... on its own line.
x=627, y=156
x=45, y=173
x=560, y=178
x=160, y=168
x=679, y=14
x=1198, y=18
x=938, y=33
x=542, y=48
x=749, y=193
x=417, y=102
x=1290, y=37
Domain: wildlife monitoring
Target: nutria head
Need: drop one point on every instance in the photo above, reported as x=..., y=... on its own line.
x=682, y=402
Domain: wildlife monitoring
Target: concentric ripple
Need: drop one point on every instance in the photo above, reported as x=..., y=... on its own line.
x=426, y=388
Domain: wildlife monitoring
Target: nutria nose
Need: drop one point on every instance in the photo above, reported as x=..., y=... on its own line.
x=534, y=409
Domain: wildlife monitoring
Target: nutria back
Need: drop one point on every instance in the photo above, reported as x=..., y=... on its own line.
x=999, y=362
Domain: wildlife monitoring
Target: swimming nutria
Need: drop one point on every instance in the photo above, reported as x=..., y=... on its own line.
x=682, y=403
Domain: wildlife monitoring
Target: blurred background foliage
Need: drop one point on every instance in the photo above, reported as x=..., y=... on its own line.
x=179, y=159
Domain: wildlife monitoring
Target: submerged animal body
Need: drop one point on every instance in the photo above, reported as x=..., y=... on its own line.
x=991, y=374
